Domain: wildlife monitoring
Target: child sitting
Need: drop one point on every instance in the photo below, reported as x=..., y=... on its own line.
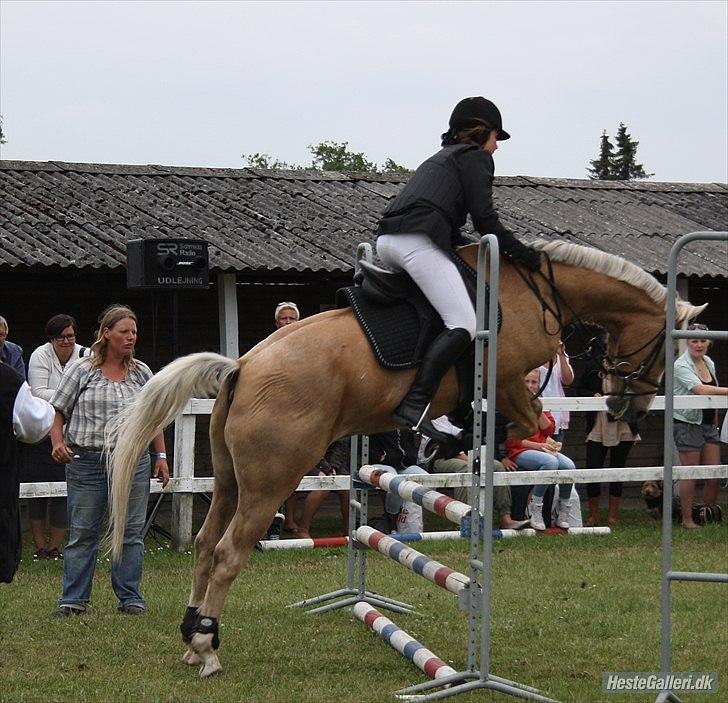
x=540, y=452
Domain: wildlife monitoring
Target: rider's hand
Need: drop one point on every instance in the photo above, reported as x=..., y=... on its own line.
x=515, y=251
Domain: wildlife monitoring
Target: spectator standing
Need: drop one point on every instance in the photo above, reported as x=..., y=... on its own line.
x=10, y=353
x=334, y=463
x=45, y=369
x=561, y=375
x=604, y=435
x=90, y=394
x=28, y=419
x=695, y=431
x=286, y=313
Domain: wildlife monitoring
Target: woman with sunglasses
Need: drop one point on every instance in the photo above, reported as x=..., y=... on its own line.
x=695, y=431
x=46, y=366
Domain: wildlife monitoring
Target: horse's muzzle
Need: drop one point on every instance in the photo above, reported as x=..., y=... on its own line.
x=617, y=406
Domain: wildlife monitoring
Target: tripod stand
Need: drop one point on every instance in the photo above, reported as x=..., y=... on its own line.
x=151, y=525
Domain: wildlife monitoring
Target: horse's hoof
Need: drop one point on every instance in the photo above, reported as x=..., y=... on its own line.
x=211, y=667
x=191, y=658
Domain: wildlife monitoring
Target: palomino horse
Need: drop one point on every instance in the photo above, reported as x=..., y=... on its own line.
x=281, y=405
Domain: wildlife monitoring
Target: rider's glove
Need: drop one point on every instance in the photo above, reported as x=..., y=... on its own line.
x=515, y=251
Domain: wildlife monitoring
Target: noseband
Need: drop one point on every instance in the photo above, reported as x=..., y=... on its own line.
x=629, y=375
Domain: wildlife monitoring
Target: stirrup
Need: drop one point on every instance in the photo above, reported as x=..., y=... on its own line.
x=423, y=426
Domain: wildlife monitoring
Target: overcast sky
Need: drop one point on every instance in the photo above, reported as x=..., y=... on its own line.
x=201, y=83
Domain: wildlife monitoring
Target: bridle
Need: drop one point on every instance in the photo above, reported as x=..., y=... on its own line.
x=630, y=375
x=594, y=349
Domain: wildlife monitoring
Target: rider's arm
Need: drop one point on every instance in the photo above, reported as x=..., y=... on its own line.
x=476, y=175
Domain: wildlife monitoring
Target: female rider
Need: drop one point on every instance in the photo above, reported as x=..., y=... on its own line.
x=420, y=230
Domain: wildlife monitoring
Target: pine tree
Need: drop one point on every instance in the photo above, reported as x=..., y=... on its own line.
x=619, y=165
x=626, y=167
x=602, y=168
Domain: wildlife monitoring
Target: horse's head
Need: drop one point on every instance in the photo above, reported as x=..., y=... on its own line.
x=634, y=363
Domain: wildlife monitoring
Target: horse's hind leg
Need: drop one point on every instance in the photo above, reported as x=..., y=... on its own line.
x=248, y=525
x=222, y=508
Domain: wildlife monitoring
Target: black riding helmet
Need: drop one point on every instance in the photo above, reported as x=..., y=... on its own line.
x=471, y=112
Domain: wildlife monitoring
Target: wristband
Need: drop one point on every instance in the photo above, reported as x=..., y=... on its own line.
x=159, y=455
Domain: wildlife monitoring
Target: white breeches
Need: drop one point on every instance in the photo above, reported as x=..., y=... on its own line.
x=435, y=274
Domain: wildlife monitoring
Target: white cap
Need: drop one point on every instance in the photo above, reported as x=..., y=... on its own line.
x=283, y=306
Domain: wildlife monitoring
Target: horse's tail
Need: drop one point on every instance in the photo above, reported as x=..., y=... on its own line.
x=156, y=406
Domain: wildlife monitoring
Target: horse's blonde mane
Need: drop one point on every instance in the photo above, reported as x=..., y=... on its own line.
x=608, y=264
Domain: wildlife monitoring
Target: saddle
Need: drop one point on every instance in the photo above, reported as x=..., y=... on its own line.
x=400, y=323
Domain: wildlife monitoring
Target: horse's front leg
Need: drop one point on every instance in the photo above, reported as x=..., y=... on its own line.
x=519, y=406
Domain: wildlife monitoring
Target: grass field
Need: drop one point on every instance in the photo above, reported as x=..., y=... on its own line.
x=564, y=610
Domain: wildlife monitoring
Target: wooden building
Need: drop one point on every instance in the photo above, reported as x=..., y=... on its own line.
x=292, y=235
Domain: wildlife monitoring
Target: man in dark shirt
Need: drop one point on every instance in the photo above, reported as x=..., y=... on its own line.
x=27, y=418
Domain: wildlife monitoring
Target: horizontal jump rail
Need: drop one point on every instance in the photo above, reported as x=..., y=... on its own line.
x=343, y=541
x=438, y=503
x=422, y=565
x=403, y=643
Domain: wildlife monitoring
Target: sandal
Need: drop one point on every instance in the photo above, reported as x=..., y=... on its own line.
x=39, y=554
x=54, y=554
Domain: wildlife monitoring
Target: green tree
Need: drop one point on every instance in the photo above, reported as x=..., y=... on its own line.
x=327, y=156
x=393, y=167
x=602, y=168
x=619, y=165
x=265, y=161
x=334, y=156
x=626, y=167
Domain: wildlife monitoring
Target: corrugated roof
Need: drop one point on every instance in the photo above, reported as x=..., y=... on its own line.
x=81, y=215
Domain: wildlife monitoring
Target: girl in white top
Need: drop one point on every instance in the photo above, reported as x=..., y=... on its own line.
x=49, y=360
x=561, y=375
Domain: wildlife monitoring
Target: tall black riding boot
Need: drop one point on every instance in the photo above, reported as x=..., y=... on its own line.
x=442, y=354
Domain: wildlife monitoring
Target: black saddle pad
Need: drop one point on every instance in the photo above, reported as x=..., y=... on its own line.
x=399, y=333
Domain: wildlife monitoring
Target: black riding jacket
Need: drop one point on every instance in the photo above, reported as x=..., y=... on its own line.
x=454, y=182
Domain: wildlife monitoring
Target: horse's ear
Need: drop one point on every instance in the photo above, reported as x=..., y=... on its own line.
x=686, y=312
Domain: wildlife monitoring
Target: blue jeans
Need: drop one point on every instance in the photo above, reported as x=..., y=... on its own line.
x=88, y=494
x=534, y=460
